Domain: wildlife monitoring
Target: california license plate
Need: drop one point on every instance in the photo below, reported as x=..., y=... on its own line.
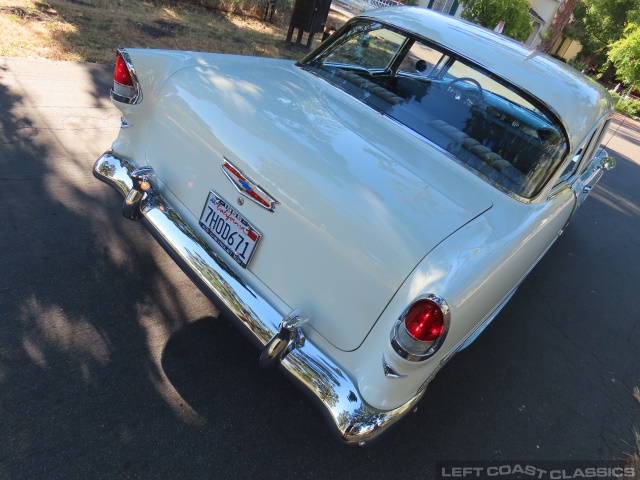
x=229, y=229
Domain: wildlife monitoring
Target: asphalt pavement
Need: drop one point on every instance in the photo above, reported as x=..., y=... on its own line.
x=113, y=365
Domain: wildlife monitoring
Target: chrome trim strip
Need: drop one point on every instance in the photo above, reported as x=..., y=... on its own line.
x=389, y=371
x=573, y=210
x=349, y=417
x=137, y=98
x=557, y=190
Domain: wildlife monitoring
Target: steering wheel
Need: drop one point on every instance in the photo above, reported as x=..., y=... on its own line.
x=475, y=96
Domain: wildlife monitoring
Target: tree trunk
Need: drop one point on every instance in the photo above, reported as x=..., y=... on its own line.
x=561, y=19
x=609, y=74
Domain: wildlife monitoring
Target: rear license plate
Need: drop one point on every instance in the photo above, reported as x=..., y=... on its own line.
x=229, y=229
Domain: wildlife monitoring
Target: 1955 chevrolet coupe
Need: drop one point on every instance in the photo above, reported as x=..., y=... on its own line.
x=364, y=213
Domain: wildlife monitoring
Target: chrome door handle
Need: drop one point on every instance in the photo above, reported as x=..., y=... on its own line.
x=586, y=189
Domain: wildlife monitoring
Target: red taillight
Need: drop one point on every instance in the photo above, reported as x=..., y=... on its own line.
x=421, y=329
x=425, y=321
x=121, y=73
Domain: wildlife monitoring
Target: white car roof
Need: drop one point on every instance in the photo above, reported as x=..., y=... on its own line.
x=579, y=101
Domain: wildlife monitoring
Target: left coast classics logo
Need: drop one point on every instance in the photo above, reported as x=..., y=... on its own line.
x=247, y=187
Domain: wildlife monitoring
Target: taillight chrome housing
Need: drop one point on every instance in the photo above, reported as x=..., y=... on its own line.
x=421, y=329
x=126, y=88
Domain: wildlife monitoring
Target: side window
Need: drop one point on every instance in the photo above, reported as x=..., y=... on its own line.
x=581, y=160
x=421, y=60
x=594, y=147
x=373, y=50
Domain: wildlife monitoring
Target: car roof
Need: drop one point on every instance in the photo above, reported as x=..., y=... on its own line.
x=579, y=101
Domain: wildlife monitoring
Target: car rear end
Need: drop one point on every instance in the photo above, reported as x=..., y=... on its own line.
x=358, y=256
x=304, y=245
x=296, y=277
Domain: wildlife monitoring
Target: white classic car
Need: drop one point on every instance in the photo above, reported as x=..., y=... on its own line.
x=366, y=212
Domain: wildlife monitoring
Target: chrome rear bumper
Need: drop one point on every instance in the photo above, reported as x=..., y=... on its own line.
x=351, y=419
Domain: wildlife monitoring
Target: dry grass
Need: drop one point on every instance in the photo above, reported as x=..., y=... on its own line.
x=91, y=30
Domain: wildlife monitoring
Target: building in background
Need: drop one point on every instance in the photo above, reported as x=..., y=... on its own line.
x=449, y=7
x=567, y=48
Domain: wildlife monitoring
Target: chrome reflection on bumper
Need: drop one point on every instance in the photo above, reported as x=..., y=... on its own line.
x=351, y=419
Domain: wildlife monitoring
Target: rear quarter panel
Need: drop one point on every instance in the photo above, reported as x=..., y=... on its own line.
x=474, y=270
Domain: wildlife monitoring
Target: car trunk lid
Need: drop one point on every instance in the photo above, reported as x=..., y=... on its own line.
x=361, y=200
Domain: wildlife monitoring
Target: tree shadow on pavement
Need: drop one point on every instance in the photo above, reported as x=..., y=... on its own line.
x=85, y=296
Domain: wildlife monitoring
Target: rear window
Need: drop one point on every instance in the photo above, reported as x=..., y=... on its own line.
x=487, y=124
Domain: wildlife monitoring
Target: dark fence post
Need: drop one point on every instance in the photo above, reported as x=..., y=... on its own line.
x=308, y=16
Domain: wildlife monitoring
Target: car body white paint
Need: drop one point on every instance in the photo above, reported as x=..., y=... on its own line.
x=364, y=225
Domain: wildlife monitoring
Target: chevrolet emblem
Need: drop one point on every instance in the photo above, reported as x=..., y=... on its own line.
x=247, y=188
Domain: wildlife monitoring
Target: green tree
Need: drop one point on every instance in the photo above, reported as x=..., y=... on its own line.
x=488, y=13
x=625, y=55
x=600, y=23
